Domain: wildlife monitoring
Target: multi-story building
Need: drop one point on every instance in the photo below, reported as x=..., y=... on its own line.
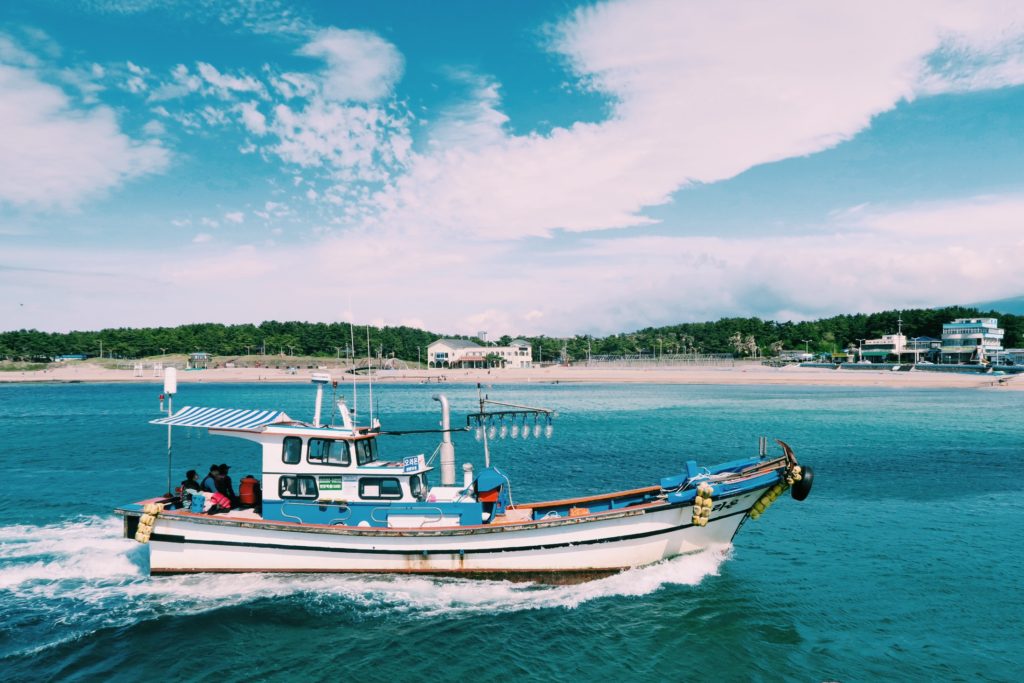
x=460, y=353
x=971, y=340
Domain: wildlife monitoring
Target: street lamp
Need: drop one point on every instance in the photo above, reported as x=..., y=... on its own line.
x=291, y=349
x=247, y=347
x=163, y=351
x=806, y=342
x=860, y=348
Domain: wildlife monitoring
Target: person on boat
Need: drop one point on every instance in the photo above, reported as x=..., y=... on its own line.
x=224, y=485
x=191, y=482
x=250, y=493
x=210, y=480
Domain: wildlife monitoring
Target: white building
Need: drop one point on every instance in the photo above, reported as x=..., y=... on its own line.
x=460, y=353
x=968, y=340
x=888, y=347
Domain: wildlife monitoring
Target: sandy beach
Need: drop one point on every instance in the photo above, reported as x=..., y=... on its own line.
x=741, y=373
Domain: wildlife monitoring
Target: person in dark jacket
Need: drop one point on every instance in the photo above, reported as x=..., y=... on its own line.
x=210, y=481
x=225, y=486
x=191, y=482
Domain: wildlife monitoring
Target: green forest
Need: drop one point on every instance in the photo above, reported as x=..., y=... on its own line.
x=743, y=337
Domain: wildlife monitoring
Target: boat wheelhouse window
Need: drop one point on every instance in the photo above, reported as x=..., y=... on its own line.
x=297, y=487
x=379, y=487
x=416, y=487
x=291, y=453
x=328, y=452
x=366, y=451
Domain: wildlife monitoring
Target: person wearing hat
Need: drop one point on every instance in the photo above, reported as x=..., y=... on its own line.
x=225, y=486
x=210, y=480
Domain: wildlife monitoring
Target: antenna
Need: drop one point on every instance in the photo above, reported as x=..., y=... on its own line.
x=355, y=397
x=369, y=372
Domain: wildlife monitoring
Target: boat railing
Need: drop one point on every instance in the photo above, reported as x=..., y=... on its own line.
x=343, y=508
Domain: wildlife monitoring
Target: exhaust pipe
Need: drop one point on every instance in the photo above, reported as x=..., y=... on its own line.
x=447, y=447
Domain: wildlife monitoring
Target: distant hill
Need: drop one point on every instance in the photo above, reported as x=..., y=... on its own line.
x=1013, y=305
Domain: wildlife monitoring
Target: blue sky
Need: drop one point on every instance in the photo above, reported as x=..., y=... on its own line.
x=519, y=167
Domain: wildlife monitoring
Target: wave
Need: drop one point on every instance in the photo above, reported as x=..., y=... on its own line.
x=83, y=576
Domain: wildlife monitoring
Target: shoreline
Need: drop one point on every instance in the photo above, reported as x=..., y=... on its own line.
x=739, y=374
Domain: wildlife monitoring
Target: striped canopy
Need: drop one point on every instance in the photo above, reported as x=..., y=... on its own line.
x=222, y=418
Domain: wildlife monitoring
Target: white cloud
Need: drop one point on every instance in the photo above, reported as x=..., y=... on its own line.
x=361, y=66
x=252, y=119
x=701, y=92
x=602, y=285
x=12, y=53
x=182, y=83
x=225, y=85
x=235, y=217
x=53, y=153
x=356, y=142
x=209, y=222
x=154, y=128
x=202, y=238
x=475, y=122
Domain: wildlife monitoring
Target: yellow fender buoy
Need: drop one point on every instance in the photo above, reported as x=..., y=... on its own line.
x=147, y=520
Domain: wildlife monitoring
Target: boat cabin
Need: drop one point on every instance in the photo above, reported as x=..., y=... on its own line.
x=325, y=474
x=331, y=475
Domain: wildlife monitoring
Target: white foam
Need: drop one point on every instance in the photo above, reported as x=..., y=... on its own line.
x=85, y=576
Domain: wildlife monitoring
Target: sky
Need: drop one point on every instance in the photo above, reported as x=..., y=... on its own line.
x=517, y=167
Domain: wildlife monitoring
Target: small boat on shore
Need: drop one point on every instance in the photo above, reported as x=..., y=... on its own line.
x=331, y=503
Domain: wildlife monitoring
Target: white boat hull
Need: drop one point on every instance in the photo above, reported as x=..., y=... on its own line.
x=185, y=543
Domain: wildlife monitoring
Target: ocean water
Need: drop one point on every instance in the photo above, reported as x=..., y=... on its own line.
x=904, y=564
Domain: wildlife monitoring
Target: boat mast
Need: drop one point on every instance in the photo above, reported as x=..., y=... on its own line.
x=487, y=451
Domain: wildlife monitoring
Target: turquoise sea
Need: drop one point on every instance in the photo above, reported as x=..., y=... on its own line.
x=904, y=564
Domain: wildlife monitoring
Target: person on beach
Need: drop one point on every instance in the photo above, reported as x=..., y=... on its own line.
x=191, y=482
x=210, y=481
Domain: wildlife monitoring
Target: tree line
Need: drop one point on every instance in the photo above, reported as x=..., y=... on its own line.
x=739, y=336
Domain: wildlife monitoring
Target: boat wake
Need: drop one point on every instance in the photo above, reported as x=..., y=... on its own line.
x=82, y=576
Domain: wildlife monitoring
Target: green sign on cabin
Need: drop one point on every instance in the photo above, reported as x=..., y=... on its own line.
x=330, y=483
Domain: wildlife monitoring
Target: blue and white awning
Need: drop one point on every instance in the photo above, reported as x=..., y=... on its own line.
x=222, y=418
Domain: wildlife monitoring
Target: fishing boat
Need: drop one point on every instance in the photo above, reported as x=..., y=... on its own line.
x=330, y=503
